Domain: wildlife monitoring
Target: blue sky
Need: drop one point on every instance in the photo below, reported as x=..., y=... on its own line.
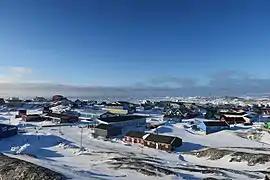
x=127, y=43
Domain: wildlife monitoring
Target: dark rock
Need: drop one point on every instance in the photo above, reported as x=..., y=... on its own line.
x=215, y=154
x=16, y=169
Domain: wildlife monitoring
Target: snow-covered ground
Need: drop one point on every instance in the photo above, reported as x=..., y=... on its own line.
x=59, y=149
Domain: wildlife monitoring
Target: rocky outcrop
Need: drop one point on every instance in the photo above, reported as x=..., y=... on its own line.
x=16, y=169
x=215, y=154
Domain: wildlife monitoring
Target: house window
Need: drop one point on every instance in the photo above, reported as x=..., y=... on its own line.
x=148, y=143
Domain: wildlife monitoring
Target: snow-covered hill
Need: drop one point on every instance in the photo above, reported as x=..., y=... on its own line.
x=59, y=149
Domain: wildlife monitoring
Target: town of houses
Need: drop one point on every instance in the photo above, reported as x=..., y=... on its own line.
x=134, y=122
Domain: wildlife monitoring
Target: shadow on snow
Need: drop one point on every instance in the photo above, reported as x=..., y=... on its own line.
x=37, y=144
x=188, y=146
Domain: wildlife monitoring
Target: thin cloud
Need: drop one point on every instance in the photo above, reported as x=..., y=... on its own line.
x=17, y=74
x=20, y=70
x=173, y=81
x=220, y=84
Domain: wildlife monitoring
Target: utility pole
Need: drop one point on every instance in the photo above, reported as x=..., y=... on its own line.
x=81, y=141
x=59, y=125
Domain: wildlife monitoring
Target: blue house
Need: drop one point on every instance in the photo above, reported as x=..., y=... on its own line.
x=213, y=126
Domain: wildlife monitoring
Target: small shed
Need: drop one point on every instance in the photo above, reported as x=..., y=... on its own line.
x=213, y=126
x=107, y=131
x=7, y=130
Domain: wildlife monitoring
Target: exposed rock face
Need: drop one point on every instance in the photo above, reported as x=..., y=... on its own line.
x=16, y=169
x=215, y=154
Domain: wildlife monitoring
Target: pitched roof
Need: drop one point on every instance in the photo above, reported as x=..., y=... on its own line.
x=237, y=119
x=57, y=115
x=160, y=138
x=120, y=118
x=136, y=134
x=215, y=123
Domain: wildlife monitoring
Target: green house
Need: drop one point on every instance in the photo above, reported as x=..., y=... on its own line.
x=267, y=125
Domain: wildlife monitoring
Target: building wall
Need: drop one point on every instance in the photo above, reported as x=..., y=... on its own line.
x=108, y=133
x=90, y=115
x=202, y=126
x=117, y=111
x=114, y=132
x=166, y=147
x=172, y=119
x=177, y=142
x=8, y=131
x=101, y=132
x=134, y=140
x=212, y=129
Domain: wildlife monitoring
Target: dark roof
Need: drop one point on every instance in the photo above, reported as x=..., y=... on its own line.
x=234, y=113
x=33, y=115
x=160, y=138
x=136, y=134
x=104, y=126
x=215, y=123
x=55, y=115
x=120, y=118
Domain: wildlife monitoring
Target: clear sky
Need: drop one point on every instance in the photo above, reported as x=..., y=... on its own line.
x=129, y=42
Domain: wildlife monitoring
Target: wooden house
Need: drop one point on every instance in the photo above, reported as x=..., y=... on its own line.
x=173, y=115
x=92, y=114
x=235, y=118
x=162, y=142
x=121, y=107
x=61, y=118
x=213, y=126
x=33, y=118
